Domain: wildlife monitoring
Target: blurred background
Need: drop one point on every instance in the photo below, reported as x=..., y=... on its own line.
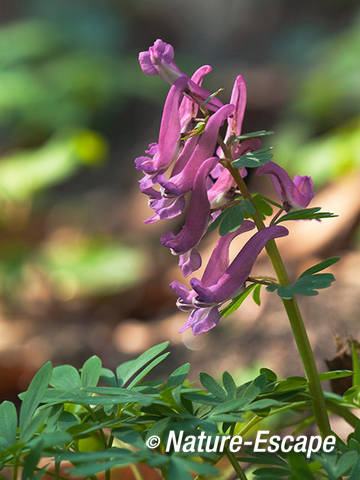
x=80, y=273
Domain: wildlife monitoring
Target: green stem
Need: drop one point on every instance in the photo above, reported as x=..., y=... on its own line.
x=136, y=472
x=344, y=413
x=256, y=419
x=16, y=468
x=109, y=445
x=57, y=470
x=235, y=464
x=293, y=313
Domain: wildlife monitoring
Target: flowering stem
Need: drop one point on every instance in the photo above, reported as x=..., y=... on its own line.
x=292, y=310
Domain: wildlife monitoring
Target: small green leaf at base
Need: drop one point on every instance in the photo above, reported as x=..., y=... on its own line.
x=237, y=301
x=232, y=218
x=254, y=159
x=259, y=133
x=307, y=285
x=320, y=266
x=305, y=214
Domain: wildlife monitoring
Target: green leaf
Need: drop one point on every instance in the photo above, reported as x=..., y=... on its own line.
x=256, y=294
x=90, y=372
x=355, y=474
x=65, y=377
x=272, y=472
x=148, y=369
x=31, y=460
x=215, y=223
x=33, y=396
x=129, y=436
x=158, y=427
x=299, y=467
x=237, y=301
x=39, y=418
x=198, y=467
x=267, y=200
x=254, y=159
x=8, y=422
x=208, y=382
x=264, y=459
x=108, y=376
x=320, y=266
x=229, y=384
x=337, y=465
x=305, y=214
x=178, y=376
x=259, y=133
x=100, y=455
x=291, y=383
x=264, y=403
x=346, y=462
x=52, y=439
x=306, y=285
x=210, y=97
x=126, y=370
x=262, y=206
x=67, y=420
x=254, y=388
x=334, y=374
x=178, y=471
x=270, y=375
x=232, y=217
x=234, y=405
x=89, y=469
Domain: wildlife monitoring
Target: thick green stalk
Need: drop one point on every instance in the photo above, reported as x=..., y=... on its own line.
x=293, y=313
x=236, y=466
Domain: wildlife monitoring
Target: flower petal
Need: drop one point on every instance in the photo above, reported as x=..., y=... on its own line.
x=182, y=292
x=238, y=98
x=183, y=181
x=189, y=108
x=198, y=214
x=189, y=262
x=202, y=320
x=219, y=260
x=159, y=60
x=170, y=126
x=166, y=208
x=293, y=193
x=238, y=271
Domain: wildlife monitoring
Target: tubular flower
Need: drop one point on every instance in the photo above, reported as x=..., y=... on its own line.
x=205, y=316
x=162, y=154
x=181, y=182
x=182, y=162
x=296, y=193
x=226, y=284
x=168, y=205
x=196, y=222
x=165, y=208
x=223, y=190
x=189, y=108
x=159, y=60
x=238, y=99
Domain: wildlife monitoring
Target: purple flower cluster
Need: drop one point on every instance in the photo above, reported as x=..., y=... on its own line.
x=187, y=162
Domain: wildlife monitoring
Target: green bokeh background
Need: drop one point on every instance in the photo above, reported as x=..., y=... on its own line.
x=75, y=109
